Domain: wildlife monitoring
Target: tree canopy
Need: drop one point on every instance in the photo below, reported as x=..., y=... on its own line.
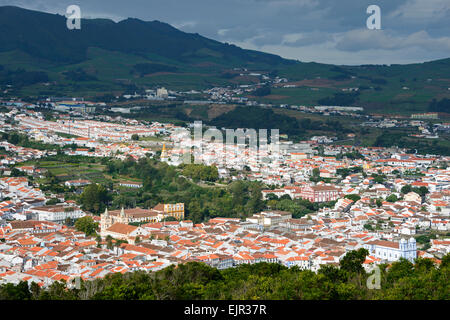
x=401, y=280
x=87, y=225
x=94, y=198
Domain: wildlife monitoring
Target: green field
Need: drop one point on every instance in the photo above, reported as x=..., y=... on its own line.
x=381, y=86
x=65, y=171
x=388, y=99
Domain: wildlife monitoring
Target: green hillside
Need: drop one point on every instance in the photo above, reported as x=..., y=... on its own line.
x=39, y=56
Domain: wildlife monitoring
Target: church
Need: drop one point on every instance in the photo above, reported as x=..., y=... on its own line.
x=116, y=224
x=393, y=251
x=126, y=216
x=130, y=215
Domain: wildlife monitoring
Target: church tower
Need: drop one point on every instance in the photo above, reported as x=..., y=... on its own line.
x=412, y=249
x=105, y=221
x=164, y=155
x=123, y=218
x=403, y=245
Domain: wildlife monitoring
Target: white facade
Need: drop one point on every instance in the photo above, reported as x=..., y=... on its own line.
x=386, y=250
x=57, y=214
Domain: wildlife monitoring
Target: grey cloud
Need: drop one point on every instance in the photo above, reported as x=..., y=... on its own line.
x=364, y=39
x=305, y=39
x=325, y=30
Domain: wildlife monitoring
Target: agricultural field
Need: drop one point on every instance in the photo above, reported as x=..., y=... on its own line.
x=65, y=171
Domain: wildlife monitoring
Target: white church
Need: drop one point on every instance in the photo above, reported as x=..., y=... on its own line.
x=393, y=251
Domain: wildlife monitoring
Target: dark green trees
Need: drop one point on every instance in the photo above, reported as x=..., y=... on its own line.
x=201, y=172
x=94, y=198
x=353, y=260
x=86, y=225
x=400, y=280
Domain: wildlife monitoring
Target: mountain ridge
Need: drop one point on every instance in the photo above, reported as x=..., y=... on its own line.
x=40, y=56
x=129, y=35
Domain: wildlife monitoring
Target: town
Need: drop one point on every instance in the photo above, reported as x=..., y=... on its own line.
x=393, y=203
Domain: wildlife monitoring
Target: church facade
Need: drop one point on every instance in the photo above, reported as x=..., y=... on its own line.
x=393, y=251
x=126, y=216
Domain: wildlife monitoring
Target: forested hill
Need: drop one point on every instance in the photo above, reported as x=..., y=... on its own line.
x=46, y=36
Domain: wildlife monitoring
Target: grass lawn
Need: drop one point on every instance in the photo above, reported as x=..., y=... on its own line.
x=69, y=171
x=156, y=139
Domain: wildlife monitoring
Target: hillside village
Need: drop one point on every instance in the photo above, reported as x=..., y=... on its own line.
x=381, y=199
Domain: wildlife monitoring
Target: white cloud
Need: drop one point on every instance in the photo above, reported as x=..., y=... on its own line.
x=292, y=38
x=355, y=47
x=422, y=10
x=185, y=24
x=293, y=3
x=222, y=32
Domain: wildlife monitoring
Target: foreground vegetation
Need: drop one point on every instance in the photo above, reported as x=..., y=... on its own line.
x=401, y=280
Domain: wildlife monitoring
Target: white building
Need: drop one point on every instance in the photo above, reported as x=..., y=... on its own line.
x=269, y=218
x=162, y=93
x=56, y=213
x=393, y=251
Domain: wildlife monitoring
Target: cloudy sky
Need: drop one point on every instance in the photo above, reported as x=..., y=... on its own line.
x=327, y=31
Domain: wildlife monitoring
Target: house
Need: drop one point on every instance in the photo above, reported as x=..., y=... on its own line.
x=130, y=184
x=270, y=218
x=298, y=156
x=219, y=261
x=302, y=262
x=412, y=196
x=27, y=169
x=440, y=224
x=34, y=226
x=175, y=210
x=324, y=173
x=276, y=192
x=297, y=224
x=56, y=213
x=77, y=183
x=82, y=152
